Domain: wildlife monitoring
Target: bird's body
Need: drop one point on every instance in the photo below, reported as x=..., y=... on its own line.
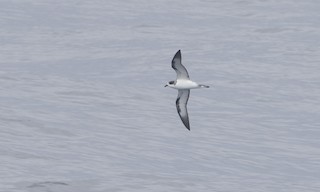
x=183, y=84
x=186, y=84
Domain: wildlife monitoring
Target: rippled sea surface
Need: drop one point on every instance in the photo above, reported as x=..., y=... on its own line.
x=83, y=107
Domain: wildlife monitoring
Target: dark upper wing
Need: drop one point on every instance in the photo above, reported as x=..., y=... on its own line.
x=181, y=104
x=181, y=71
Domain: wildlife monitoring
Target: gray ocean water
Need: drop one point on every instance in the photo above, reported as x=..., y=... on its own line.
x=83, y=107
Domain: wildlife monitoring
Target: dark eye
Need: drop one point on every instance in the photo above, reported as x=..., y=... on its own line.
x=171, y=82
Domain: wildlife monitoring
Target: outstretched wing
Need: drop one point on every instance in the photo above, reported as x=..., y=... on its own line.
x=181, y=71
x=181, y=104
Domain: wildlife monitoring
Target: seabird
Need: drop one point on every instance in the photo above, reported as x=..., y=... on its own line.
x=183, y=84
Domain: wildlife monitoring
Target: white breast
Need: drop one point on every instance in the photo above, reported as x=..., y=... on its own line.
x=186, y=84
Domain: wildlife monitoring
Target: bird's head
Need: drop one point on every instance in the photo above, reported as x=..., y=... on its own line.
x=170, y=84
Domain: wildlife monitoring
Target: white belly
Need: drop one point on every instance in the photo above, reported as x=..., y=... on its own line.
x=186, y=84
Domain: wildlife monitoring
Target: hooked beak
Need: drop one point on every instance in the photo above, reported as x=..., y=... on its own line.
x=165, y=85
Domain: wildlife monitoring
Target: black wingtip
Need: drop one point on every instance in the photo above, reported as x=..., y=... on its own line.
x=178, y=54
x=187, y=125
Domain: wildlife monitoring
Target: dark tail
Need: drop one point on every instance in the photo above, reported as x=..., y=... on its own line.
x=205, y=86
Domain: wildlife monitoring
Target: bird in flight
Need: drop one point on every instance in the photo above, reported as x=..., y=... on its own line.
x=183, y=84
